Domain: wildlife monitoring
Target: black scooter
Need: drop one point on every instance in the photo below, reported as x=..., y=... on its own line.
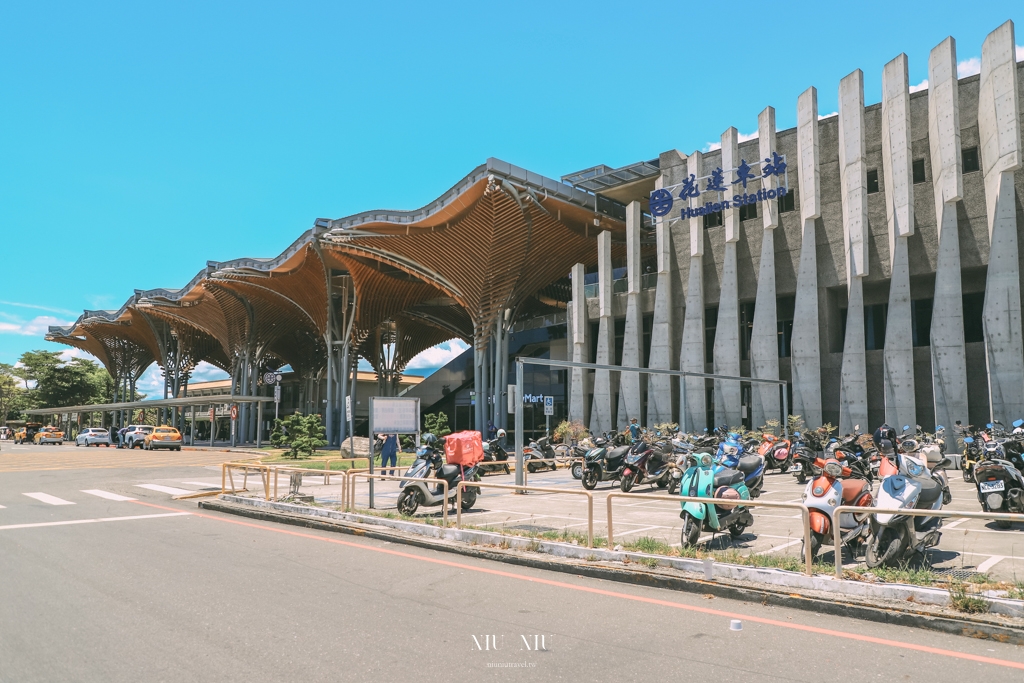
x=604, y=462
x=1000, y=483
x=495, y=458
x=540, y=450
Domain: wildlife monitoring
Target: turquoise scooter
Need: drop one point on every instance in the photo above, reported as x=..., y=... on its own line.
x=704, y=479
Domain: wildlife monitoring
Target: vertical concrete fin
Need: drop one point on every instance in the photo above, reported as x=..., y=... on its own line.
x=730, y=160
x=579, y=388
x=806, y=355
x=999, y=130
x=602, y=416
x=692, y=398
x=659, y=387
x=853, y=400
x=898, y=376
x=948, y=354
x=764, y=343
x=631, y=383
x=694, y=167
x=766, y=145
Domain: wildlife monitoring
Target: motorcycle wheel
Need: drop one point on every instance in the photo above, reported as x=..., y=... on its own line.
x=969, y=476
x=801, y=478
x=409, y=501
x=468, y=499
x=662, y=484
x=626, y=483
x=691, y=531
x=589, y=479
x=531, y=468
x=815, y=546
x=673, y=488
x=736, y=530
x=577, y=471
x=883, y=551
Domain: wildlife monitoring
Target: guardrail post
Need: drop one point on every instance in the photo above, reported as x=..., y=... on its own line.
x=611, y=534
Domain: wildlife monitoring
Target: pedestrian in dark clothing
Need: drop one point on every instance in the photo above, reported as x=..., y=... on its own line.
x=389, y=451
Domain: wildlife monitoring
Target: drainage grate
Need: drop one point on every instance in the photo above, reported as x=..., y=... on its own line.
x=956, y=574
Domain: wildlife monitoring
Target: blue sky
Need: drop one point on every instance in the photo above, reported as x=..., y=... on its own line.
x=139, y=140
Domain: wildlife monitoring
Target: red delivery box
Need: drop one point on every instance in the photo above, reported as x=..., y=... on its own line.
x=463, y=448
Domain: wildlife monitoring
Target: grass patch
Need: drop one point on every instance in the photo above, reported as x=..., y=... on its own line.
x=651, y=546
x=919, y=576
x=649, y=562
x=961, y=600
x=1016, y=592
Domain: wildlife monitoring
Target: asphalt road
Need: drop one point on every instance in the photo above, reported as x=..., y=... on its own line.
x=93, y=588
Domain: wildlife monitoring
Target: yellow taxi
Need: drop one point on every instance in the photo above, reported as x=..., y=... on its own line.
x=25, y=433
x=48, y=434
x=162, y=437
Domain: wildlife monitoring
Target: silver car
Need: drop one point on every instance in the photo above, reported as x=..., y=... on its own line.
x=93, y=436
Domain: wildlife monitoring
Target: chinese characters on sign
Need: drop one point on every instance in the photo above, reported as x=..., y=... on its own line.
x=662, y=200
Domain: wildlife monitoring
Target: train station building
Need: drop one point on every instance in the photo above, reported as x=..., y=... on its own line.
x=870, y=258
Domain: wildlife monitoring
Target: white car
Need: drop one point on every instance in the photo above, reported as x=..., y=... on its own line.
x=93, y=436
x=136, y=435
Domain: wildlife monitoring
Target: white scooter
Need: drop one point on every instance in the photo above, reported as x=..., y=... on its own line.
x=429, y=464
x=825, y=493
x=906, y=483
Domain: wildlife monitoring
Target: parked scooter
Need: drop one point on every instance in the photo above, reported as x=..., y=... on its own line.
x=650, y=464
x=906, y=483
x=495, y=457
x=999, y=482
x=724, y=488
x=604, y=462
x=539, y=450
x=837, y=485
x=776, y=452
x=731, y=456
x=430, y=463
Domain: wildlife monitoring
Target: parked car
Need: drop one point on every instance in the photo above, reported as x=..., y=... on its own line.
x=93, y=436
x=162, y=437
x=50, y=435
x=135, y=436
x=26, y=432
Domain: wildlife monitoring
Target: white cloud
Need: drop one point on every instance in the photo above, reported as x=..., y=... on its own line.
x=37, y=307
x=968, y=67
x=827, y=116
x=438, y=356
x=923, y=85
x=205, y=372
x=1020, y=53
x=743, y=137
x=37, y=327
x=72, y=352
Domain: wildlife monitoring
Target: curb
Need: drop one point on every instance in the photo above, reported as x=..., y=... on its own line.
x=964, y=626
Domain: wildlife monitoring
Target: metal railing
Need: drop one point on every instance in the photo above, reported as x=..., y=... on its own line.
x=804, y=514
x=353, y=476
x=837, y=532
x=527, y=489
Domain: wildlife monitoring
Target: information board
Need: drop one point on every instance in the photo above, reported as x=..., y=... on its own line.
x=395, y=415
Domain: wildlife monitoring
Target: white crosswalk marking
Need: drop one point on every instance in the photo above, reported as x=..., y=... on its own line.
x=47, y=498
x=1, y=507
x=105, y=494
x=989, y=563
x=204, y=485
x=164, y=489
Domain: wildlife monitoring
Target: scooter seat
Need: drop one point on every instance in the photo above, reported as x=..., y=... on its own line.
x=749, y=463
x=618, y=453
x=728, y=478
x=449, y=473
x=852, y=488
x=931, y=490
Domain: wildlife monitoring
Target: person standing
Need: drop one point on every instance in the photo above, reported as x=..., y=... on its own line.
x=389, y=451
x=634, y=430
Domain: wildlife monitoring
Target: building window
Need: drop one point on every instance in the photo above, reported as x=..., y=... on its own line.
x=974, y=310
x=874, y=326
x=785, y=307
x=787, y=202
x=710, y=325
x=921, y=321
x=712, y=220
x=919, y=171
x=873, y=181
x=746, y=328
x=970, y=159
x=748, y=211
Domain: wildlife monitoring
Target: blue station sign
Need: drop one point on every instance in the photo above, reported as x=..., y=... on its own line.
x=689, y=191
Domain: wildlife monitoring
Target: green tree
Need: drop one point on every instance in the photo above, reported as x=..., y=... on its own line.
x=53, y=383
x=12, y=396
x=436, y=424
x=301, y=434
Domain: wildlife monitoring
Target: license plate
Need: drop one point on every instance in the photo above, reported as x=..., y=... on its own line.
x=989, y=486
x=795, y=468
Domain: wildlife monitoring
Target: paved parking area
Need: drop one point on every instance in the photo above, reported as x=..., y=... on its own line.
x=967, y=546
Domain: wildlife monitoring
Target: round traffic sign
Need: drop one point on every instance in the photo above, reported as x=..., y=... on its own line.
x=270, y=377
x=234, y=412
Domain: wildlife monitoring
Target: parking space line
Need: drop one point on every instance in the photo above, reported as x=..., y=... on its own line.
x=775, y=548
x=989, y=563
x=641, y=529
x=48, y=499
x=105, y=494
x=954, y=523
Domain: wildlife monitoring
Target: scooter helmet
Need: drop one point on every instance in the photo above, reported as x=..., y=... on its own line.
x=886, y=433
x=501, y=433
x=429, y=439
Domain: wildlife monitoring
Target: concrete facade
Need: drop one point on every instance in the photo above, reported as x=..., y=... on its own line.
x=888, y=274
x=631, y=384
x=577, y=334
x=602, y=415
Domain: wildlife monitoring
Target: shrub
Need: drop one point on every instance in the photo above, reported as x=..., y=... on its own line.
x=300, y=434
x=436, y=424
x=570, y=432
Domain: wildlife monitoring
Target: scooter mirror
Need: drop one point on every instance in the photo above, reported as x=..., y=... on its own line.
x=906, y=427
x=968, y=439
x=958, y=423
x=989, y=425
x=1018, y=423
x=939, y=428
x=856, y=428
x=942, y=464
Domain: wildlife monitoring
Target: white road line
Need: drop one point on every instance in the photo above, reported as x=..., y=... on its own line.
x=989, y=563
x=164, y=489
x=205, y=485
x=94, y=521
x=105, y=494
x=780, y=547
x=47, y=498
x=1, y=507
x=641, y=529
x=954, y=523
